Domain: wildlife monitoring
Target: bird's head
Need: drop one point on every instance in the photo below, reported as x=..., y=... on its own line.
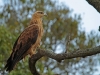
x=39, y=14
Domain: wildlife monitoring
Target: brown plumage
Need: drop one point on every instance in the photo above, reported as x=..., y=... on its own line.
x=27, y=42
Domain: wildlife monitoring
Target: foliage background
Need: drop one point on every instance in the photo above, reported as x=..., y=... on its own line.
x=15, y=15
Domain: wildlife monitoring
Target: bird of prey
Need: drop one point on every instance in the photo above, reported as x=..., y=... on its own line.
x=27, y=42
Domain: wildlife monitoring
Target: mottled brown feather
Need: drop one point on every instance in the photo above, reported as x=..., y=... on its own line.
x=27, y=42
x=27, y=38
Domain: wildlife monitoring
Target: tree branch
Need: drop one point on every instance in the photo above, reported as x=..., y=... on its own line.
x=58, y=57
x=95, y=4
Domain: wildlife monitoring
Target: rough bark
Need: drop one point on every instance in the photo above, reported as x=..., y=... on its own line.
x=95, y=4
x=59, y=57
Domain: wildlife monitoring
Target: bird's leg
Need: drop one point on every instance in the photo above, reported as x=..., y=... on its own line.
x=33, y=51
x=38, y=46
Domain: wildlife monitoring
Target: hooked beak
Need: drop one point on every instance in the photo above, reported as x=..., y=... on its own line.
x=45, y=14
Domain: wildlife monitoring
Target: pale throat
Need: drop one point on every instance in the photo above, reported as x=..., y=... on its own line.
x=36, y=20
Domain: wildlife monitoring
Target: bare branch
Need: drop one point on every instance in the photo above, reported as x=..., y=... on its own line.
x=95, y=4
x=58, y=57
x=32, y=62
x=68, y=43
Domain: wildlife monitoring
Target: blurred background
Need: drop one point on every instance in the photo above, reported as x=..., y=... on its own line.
x=63, y=19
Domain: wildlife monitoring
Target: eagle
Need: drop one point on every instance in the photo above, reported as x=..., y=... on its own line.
x=27, y=42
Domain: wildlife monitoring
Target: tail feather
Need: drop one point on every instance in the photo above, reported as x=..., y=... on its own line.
x=13, y=60
x=9, y=67
x=10, y=64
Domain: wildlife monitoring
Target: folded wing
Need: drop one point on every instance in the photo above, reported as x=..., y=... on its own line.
x=26, y=39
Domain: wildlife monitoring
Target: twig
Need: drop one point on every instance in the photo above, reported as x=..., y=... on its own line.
x=68, y=44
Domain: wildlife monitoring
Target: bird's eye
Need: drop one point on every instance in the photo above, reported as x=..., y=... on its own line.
x=41, y=12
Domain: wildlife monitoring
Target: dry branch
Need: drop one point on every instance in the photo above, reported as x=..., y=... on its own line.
x=58, y=57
